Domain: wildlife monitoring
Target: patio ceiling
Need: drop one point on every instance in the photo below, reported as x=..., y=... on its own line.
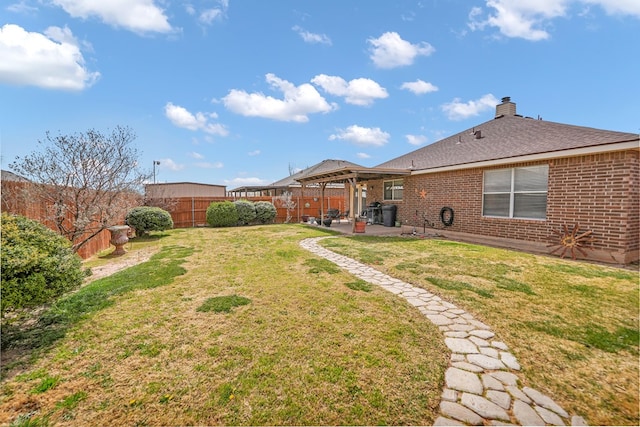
x=351, y=174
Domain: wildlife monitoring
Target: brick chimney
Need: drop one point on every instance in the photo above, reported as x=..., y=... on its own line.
x=507, y=108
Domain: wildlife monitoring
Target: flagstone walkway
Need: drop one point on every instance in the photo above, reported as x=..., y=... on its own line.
x=480, y=385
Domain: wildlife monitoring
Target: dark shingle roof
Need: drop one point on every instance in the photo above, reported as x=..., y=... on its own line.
x=505, y=137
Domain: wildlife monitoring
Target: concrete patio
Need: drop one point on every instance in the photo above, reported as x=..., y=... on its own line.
x=346, y=227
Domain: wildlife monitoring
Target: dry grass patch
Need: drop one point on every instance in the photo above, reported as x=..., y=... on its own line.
x=572, y=325
x=308, y=349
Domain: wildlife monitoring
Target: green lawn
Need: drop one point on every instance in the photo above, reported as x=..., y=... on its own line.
x=573, y=326
x=242, y=326
x=229, y=326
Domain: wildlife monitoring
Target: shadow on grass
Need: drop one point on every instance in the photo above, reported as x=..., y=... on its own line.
x=23, y=343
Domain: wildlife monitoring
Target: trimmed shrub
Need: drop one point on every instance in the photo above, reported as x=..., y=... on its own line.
x=222, y=214
x=38, y=265
x=246, y=211
x=265, y=212
x=147, y=218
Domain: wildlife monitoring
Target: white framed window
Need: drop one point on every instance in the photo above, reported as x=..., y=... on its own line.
x=516, y=192
x=393, y=189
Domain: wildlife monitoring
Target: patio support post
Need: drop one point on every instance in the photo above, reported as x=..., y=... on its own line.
x=352, y=213
x=322, y=186
x=302, y=185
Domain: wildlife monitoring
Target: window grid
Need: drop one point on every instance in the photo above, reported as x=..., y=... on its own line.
x=393, y=190
x=512, y=195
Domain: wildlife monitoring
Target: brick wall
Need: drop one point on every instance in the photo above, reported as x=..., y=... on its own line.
x=633, y=202
x=598, y=192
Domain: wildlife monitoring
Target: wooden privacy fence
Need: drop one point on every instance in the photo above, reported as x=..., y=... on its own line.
x=186, y=212
x=189, y=212
x=16, y=200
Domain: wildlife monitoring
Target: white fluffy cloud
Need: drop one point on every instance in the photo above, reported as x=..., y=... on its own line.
x=245, y=181
x=528, y=19
x=391, y=51
x=362, y=136
x=618, y=7
x=312, y=37
x=457, y=110
x=209, y=15
x=521, y=19
x=416, y=139
x=52, y=60
x=419, y=87
x=195, y=155
x=181, y=117
x=363, y=155
x=297, y=104
x=170, y=164
x=357, y=91
x=140, y=16
x=209, y=165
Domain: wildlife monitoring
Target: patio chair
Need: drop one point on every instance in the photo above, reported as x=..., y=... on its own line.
x=334, y=214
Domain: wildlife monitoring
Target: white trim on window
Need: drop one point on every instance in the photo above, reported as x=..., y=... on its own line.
x=392, y=190
x=519, y=192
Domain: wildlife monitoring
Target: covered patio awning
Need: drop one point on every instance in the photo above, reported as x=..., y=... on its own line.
x=351, y=174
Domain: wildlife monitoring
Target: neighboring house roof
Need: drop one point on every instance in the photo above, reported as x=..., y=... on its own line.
x=10, y=176
x=166, y=184
x=507, y=137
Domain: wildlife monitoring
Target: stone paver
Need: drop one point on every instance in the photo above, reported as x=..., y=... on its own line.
x=480, y=386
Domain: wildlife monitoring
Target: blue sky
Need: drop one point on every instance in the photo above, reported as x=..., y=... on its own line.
x=241, y=92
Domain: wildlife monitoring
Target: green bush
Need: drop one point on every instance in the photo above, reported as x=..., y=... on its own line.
x=222, y=214
x=147, y=218
x=246, y=211
x=265, y=212
x=38, y=265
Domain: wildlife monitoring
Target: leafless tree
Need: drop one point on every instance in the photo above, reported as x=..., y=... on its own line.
x=286, y=201
x=87, y=180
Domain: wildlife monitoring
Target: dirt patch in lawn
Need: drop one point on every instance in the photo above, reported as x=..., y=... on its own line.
x=120, y=263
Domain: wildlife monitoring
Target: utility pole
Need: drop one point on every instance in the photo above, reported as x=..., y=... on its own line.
x=155, y=162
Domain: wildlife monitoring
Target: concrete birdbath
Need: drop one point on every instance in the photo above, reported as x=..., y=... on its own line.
x=119, y=238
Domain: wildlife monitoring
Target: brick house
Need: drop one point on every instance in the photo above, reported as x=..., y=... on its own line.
x=517, y=182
